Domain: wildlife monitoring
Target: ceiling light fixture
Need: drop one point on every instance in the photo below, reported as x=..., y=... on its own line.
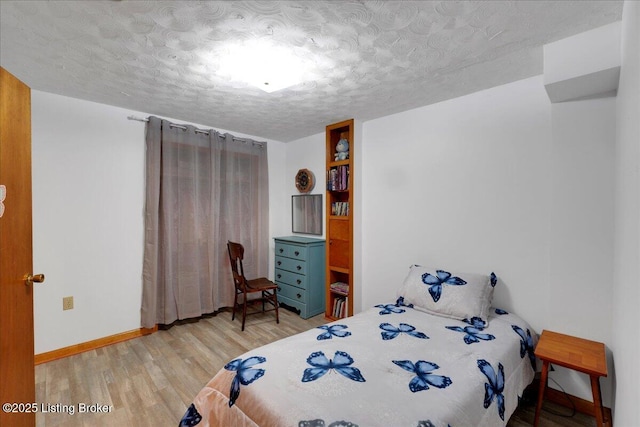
x=263, y=65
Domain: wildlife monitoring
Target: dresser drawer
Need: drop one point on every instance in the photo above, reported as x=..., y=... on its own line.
x=290, y=264
x=291, y=251
x=291, y=278
x=292, y=293
x=299, y=274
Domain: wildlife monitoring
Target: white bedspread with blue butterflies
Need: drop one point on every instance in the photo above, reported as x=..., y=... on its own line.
x=388, y=366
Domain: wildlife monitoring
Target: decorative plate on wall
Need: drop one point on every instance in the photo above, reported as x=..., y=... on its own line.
x=305, y=180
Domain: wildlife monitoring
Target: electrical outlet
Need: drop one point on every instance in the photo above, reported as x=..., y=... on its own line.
x=67, y=303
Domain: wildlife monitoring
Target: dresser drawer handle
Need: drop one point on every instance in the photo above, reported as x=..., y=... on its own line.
x=298, y=281
x=297, y=253
x=281, y=250
x=279, y=289
x=299, y=296
x=299, y=267
x=279, y=263
x=279, y=276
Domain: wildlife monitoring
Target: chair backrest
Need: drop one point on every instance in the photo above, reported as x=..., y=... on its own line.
x=236, y=255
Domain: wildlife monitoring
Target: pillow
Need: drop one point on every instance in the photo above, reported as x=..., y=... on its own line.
x=449, y=294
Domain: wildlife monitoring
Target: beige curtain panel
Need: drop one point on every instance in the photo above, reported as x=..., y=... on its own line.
x=203, y=188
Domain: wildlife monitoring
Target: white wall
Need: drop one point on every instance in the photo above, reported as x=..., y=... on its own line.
x=581, y=231
x=462, y=184
x=88, y=193
x=626, y=280
x=277, y=212
x=498, y=181
x=304, y=153
x=88, y=201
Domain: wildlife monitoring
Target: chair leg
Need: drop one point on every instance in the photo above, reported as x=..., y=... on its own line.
x=235, y=306
x=275, y=302
x=244, y=310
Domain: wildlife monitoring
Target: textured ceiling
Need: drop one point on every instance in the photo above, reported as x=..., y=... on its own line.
x=372, y=58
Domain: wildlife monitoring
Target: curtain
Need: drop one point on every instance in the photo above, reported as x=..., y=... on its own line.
x=202, y=189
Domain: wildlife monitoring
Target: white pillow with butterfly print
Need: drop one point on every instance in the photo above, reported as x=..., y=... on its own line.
x=447, y=293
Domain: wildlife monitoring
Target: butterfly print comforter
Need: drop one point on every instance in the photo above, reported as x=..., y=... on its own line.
x=388, y=366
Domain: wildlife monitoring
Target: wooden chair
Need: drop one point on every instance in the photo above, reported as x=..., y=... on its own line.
x=244, y=287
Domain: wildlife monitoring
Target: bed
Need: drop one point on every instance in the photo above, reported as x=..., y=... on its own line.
x=396, y=364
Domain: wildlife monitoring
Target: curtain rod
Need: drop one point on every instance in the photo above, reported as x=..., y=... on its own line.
x=204, y=132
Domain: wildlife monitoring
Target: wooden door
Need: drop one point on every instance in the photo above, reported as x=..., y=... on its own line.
x=17, y=371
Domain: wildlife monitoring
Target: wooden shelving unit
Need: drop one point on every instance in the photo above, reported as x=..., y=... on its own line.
x=339, y=223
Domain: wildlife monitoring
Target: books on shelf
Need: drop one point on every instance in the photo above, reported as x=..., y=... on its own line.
x=340, y=208
x=340, y=307
x=338, y=178
x=340, y=288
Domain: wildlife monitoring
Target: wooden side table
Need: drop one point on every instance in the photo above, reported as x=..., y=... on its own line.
x=573, y=353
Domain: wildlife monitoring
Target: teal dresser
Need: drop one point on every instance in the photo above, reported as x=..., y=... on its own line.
x=299, y=274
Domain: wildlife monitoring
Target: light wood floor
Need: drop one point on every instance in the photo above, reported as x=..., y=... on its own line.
x=150, y=381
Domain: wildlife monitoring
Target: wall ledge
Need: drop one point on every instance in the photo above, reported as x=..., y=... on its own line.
x=585, y=65
x=599, y=84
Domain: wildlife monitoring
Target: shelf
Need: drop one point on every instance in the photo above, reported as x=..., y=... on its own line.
x=339, y=228
x=339, y=163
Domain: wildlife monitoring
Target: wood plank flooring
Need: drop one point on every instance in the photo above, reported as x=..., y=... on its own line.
x=151, y=380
